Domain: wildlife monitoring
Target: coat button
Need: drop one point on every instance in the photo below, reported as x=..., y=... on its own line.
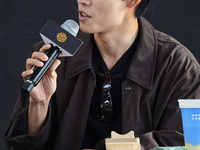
x=128, y=88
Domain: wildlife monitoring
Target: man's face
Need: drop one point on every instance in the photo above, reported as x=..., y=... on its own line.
x=97, y=16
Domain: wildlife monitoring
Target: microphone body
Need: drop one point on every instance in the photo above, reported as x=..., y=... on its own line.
x=38, y=72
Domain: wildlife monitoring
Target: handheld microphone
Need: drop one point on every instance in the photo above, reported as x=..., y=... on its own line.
x=64, y=34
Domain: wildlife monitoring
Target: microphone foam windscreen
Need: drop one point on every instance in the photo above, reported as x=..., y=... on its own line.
x=71, y=26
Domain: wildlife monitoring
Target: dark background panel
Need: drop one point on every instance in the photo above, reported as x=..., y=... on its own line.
x=21, y=21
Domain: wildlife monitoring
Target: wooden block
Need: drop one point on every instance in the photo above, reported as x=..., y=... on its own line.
x=122, y=142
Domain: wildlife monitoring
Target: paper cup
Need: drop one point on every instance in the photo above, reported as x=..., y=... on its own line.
x=190, y=111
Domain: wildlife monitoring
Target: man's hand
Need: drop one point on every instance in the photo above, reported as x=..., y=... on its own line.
x=41, y=94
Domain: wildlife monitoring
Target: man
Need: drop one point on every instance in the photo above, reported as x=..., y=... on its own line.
x=126, y=76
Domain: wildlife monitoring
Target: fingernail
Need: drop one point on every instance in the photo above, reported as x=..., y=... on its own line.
x=40, y=63
x=44, y=57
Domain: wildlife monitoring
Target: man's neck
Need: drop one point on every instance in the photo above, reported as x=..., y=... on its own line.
x=112, y=45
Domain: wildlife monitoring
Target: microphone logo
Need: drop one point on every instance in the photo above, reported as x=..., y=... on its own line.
x=61, y=37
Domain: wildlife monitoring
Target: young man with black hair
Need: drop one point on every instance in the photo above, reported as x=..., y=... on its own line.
x=126, y=76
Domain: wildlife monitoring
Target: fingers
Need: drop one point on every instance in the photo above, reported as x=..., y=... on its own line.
x=44, y=48
x=39, y=55
x=30, y=63
x=26, y=73
x=37, y=58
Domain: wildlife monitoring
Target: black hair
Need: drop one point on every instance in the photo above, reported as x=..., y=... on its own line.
x=142, y=8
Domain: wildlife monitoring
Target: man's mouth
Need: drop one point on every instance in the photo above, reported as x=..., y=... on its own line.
x=84, y=14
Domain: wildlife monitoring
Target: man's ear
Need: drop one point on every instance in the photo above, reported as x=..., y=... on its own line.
x=133, y=3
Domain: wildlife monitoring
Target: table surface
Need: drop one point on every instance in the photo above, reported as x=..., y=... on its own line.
x=169, y=148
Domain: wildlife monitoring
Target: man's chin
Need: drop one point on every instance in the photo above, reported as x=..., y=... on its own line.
x=86, y=30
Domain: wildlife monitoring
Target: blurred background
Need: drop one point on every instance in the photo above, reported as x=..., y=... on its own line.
x=22, y=20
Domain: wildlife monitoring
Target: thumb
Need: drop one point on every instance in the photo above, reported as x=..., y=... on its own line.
x=54, y=66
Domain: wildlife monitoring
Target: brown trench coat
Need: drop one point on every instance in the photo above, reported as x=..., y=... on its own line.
x=161, y=72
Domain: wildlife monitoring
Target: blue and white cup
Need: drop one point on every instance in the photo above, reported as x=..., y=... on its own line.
x=190, y=111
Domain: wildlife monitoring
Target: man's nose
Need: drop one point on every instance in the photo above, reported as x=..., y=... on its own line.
x=84, y=2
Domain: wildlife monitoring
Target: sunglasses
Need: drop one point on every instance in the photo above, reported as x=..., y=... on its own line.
x=104, y=108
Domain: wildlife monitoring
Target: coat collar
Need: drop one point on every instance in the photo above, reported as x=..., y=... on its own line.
x=82, y=60
x=142, y=67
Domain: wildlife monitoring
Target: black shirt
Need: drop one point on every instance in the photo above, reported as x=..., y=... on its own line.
x=97, y=129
